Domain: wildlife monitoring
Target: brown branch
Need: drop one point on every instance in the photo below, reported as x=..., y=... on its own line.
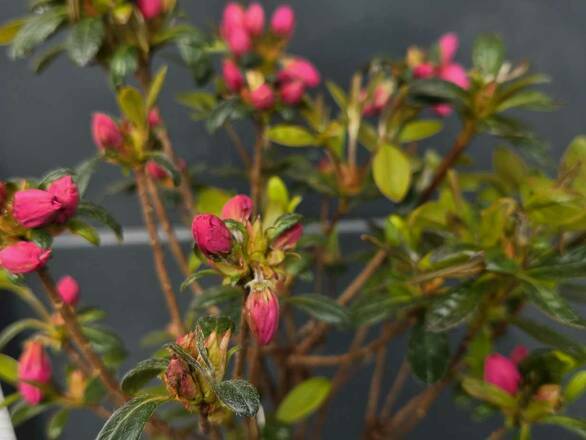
x=462, y=141
x=395, y=390
x=375, y=387
x=238, y=144
x=256, y=170
x=158, y=256
x=242, y=341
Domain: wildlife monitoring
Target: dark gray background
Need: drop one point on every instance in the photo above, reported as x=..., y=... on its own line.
x=44, y=123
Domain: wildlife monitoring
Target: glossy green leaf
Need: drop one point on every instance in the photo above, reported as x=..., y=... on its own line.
x=106, y=343
x=12, y=330
x=132, y=104
x=42, y=238
x=576, y=387
x=8, y=369
x=123, y=63
x=546, y=297
x=225, y=111
x=321, y=307
x=142, y=373
x=156, y=86
x=571, y=264
x=283, y=223
x=84, y=172
x=420, y=129
x=57, y=424
x=488, y=392
x=196, y=276
x=238, y=395
x=84, y=230
x=392, y=172
x=127, y=422
x=451, y=309
x=164, y=162
x=36, y=30
x=44, y=60
x=85, y=40
x=428, y=354
x=488, y=54
x=437, y=90
x=304, y=399
x=291, y=136
x=22, y=412
x=529, y=100
x=99, y=214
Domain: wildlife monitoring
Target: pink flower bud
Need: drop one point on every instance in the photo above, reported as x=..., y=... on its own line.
x=232, y=76
x=456, y=74
x=448, y=45
x=380, y=98
x=254, y=19
x=283, y=21
x=238, y=41
x=154, y=117
x=106, y=132
x=502, y=372
x=179, y=380
x=23, y=257
x=423, y=71
x=262, y=98
x=150, y=8
x=289, y=238
x=519, y=353
x=156, y=171
x=65, y=191
x=292, y=92
x=68, y=290
x=34, y=207
x=238, y=208
x=442, y=110
x=34, y=365
x=302, y=70
x=211, y=235
x=232, y=18
x=262, y=314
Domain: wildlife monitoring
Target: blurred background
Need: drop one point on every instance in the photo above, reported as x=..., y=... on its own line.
x=44, y=124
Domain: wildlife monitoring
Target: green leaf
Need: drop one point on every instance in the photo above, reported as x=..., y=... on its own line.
x=46, y=59
x=371, y=309
x=338, y=94
x=452, y=308
x=21, y=412
x=84, y=172
x=8, y=369
x=57, y=423
x=54, y=175
x=321, y=308
x=164, y=162
x=142, y=373
x=196, y=276
x=96, y=212
x=223, y=112
x=421, y=129
x=94, y=391
x=488, y=392
x=528, y=99
x=546, y=297
x=291, y=136
x=201, y=102
x=428, y=354
x=123, y=63
x=84, y=230
x=9, y=400
x=36, y=30
x=216, y=295
x=488, y=54
x=42, y=238
x=85, y=40
x=9, y=30
x=132, y=105
x=304, y=399
x=156, y=86
x=571, y=264
x=437, y=90
x=391, y=170
x=127, y=422
x=12, y=330
x=238, y=395
x=105, y=342
x=577, y=426
x=283, y=223
x=575, y=387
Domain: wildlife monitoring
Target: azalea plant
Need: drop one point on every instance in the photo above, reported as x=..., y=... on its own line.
x=461, y=257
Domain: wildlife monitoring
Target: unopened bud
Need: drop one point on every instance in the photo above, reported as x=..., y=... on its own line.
x=262, y=314
x=238, y=208
x=289, y=238
x=211, y=235
x=283, y=21
x=33, y=208
x=68, y=290
x=65, y=191
x=23, y=257
x=502, y=372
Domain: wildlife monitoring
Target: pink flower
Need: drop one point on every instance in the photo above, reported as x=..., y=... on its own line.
x=34, y=365
x=66, y=193
x=156, y=171
x=289, y=238
x=232, y=18
x=283, y=21
x=448, y=45
x=68, y=290
x=154, y=117
x=262, y=98
x=502, y=372
x=238, y=41
x=292, y=92
x=150, y=8
x=23, y=257
x=238, y=208
x=519, y=353
x=254, y=19
x=211, y=235
x=106, y=133
x=262, y=314
x=232, y=76
x=424, y=71
x=34, y=207
x=302, y=70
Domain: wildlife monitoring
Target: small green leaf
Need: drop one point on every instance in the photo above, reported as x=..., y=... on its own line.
x=338, y=94
x=391, y=170
x=127, y=422
x=291, y=136
x=84, y=172
x=546, y=297
x=576, y=387
x=96, y=212
x=488, y=54
x=142, y=373
x=164, y=162
x=8, y=369
x=106, y=343
x=42, y=238
x=488, y=392
x=428, y=354
x=123, y=63
x=452, y=308
x=11, y=331
x=21, y=412
x=321, y=308
x=238, y=395
x=303, y=400
x=421, y=129
x=46, y=59
x=528, y=99
x=84, y=230
x=156, y=86
x=36, y=30
x=226, y=110
x=437, y=90
x=216, y=295
x=9, y=400
x=196, y=276
x=9, y=30
x=577, y=426
x=132, y=105
x=57, y=423
x=283, y=223
x=85, y=40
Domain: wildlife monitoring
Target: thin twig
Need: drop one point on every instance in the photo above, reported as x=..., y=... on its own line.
x=242, y=341
x=256, y=169
x=238, y=144
x=375, y=387
x=395, y=390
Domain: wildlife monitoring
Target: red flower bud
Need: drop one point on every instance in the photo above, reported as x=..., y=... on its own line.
x=262, y=314
x=232, y=76
x=262, y=98
x=150, y=8
x=283, y=21
x=502, y=372
x=154, y=117
x=254, y=19
x=106, y=133
x=211, y=235
x=232, y=18
x=34, y=207
x=66, y=193
x=68, y=290
x=23, y=257
x=519, y=353
x=238, y=41
x=34, y=365
x=423, y=71
x=292, y=92
x=238, y=208
x=179, y=381
x=156, y=171
x=289, y=238
x=380, y=98
x=302, y=70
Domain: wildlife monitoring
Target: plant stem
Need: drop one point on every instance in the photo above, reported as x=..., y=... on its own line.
x=462, y=141
x=375, y=386
x=242, y=341
x=75, y=332
x=256, y=170
x=158, y=256
x=238, y=144
x=395, y=390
